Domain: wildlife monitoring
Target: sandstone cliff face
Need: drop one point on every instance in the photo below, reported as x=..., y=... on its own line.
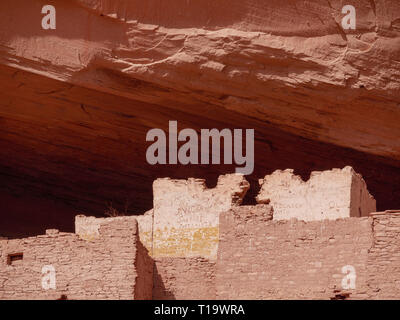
x=287, y=63
x=76, y=102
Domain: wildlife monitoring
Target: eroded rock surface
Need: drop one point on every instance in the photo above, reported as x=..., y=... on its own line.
x=76, y=102
x=287, y=63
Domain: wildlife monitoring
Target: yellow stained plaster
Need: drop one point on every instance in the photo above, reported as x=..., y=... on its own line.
x=186, y=242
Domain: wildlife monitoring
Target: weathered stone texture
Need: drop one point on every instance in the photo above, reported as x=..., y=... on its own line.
x=259, y=258
x=184, y=278
x=332, y=194
x=144, y=266
x=76, y=102
x=384, y=257
x=289, y=63
x=186, y=214
x=105, y=267
x=263, y=259
x=88, y=227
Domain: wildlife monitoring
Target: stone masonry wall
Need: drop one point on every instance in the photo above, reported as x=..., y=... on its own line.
x=88, y=227
x=144, y=265
x=259, y=258
x=186, y=214
x=184, y=278
x=100, y=268
x=186, y=234
x=198, y=243
x=183, y=227
x=174, y=277
x=384, y=257
x=332, y=194
x=181, y=233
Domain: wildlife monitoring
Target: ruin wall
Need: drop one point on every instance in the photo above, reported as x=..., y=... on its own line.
x=199, y=243
x=101, y=268
x=331, y=194
x=299, y=260
x=181, y=233
x=186, y=214
x=259, y=258
x=184, y=279
x=384, y=256
x=87, y=227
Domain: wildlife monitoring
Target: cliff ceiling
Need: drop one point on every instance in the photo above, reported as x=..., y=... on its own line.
x=76, y=102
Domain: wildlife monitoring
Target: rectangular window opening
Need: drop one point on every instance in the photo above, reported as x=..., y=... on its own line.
x=14, y=258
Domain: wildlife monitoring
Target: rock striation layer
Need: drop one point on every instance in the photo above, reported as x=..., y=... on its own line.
x=76, y=102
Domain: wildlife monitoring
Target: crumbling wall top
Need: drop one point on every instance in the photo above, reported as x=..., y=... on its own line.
x=231, y=188
x=186, y=214
x=330, y=194
x=88, y=227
